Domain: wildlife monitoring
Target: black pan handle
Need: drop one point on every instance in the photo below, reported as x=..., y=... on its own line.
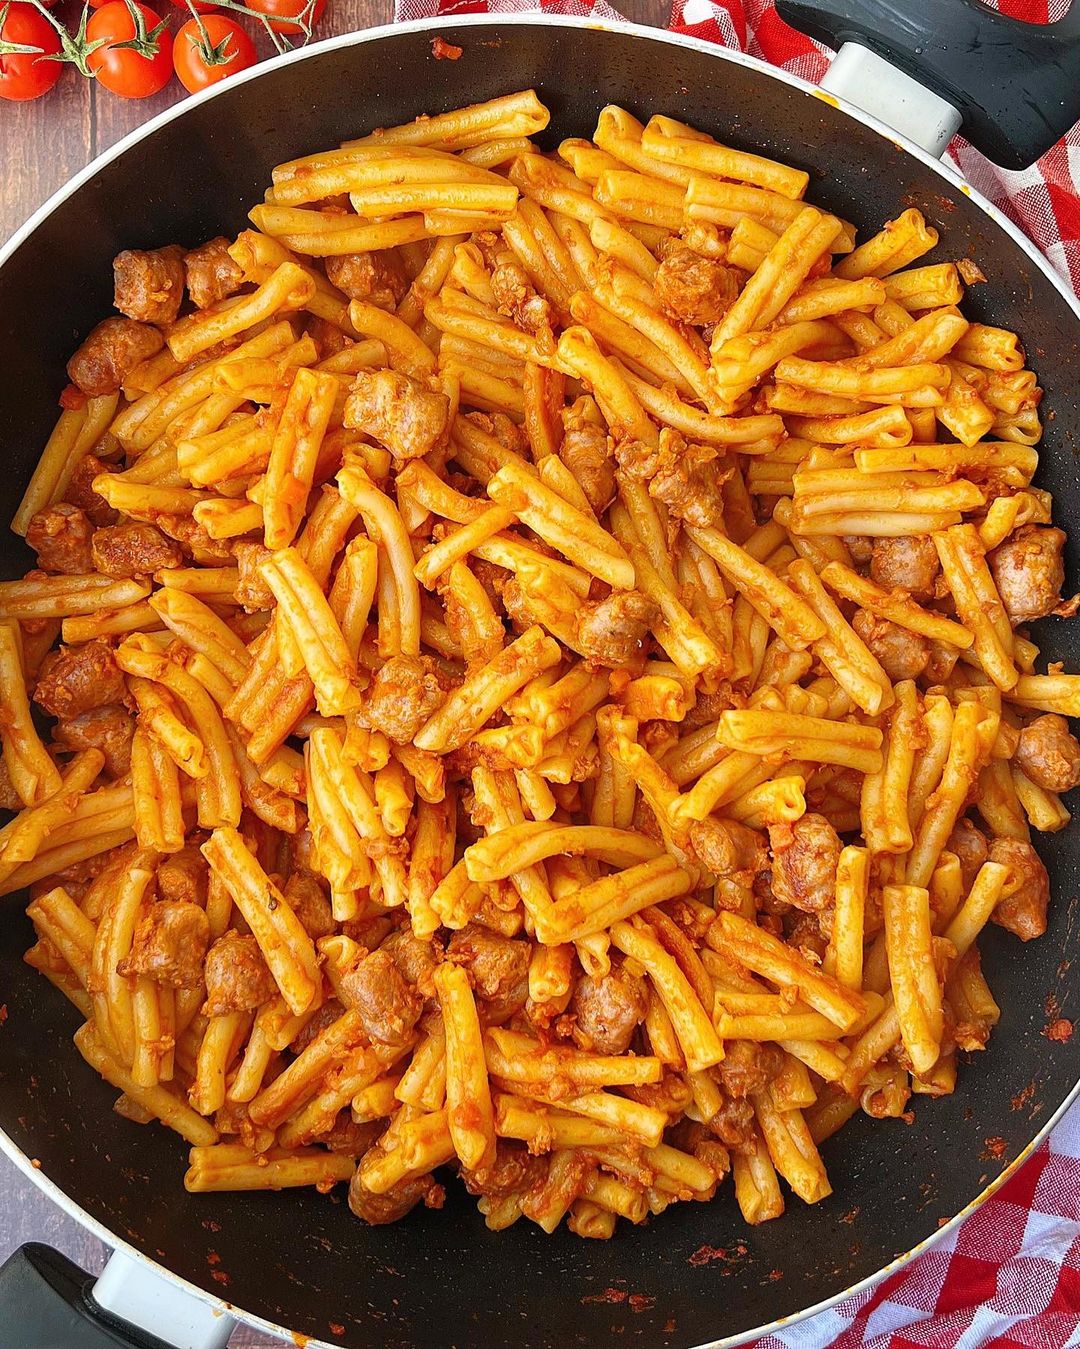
x=46, y=1303
x=1016, y=84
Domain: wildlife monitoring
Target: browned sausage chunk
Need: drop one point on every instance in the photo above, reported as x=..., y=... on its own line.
x=414, y=958
x=378, y=278
x=396, y=1202
x=747, y=1067
x=608, y=1010
x=398, y=411
x=237, y=977
x=352, y=1139
x=309, y=903
x=513, y=1171
x=1029, y=572
x=170, y=944
x=81, y=492
x=805, y=855
x=405, y=692
x=211, y=273
x=388, y=1007
x=109, y=729
x=586, y=453
x=123, y=551
x=60, y=535
x=498, y=965
x=194, y=540
x=688, y=480
x=74, y=679
x=113, y=349
x=969, y=844
x=1022, y=911
x=728, y=848
x=149, y=286
x=251, y=590
x=903, y=654
x=612, y=631
x=692, y=288
x=184, y=875
x=909, y=564
x=1049, y=754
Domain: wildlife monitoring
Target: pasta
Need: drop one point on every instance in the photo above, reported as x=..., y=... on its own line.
x=543, y=684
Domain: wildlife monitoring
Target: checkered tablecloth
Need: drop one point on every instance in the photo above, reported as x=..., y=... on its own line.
x=1009, y=1275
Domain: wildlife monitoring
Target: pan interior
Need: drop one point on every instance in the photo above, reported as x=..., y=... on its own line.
x=697, y=1273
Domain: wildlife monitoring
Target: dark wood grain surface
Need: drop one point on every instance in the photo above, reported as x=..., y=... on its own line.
x=42, y=144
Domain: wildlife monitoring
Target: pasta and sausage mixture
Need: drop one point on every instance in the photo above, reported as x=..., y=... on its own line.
x=535, y=651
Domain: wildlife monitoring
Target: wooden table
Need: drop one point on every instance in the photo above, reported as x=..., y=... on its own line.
x=41, y=145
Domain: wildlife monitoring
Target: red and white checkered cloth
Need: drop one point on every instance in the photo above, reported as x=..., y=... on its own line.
x=1010, y=1273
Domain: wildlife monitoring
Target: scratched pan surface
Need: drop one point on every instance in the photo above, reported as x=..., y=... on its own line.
x=697, y=1274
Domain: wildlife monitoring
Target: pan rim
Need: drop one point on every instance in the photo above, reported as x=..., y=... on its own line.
x=951, y=176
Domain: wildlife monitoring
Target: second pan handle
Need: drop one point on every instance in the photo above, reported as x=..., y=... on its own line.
x=1015, y=84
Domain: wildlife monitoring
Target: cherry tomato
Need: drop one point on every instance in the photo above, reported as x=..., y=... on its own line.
x=200, y=6
x=134, y=71
x=26, y=74
x=284, y=14
x=211, y=49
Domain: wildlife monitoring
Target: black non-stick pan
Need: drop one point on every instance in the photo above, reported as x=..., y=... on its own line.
x=697, y=1275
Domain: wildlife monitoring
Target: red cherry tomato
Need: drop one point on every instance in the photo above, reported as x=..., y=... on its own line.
x=288, y=16
x=137, y=71
x=200, y=6
x=26, y=74
x=209, y=50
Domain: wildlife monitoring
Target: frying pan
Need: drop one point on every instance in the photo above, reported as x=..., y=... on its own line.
x=698, y=1275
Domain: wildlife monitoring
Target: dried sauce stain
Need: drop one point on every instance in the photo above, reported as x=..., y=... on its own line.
x=1060, y=1030
x=1052, y=1006
x=1023, y=1098
x=219, y=1276
x=3, y=1012
x=775, y=1275
x=850, y=1216
x=336, y=1328
x=211, y=1225
x=445, y=51
x=993, y=1150
x=669, y=1326
x=641, y=1302
x=615, y=1295
x=213, y=1258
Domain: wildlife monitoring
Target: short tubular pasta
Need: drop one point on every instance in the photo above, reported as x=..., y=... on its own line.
x=542, y=657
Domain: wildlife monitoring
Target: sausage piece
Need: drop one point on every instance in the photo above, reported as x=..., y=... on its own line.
x=969, y=844
x=405, y=692
x=170, y=944
x=124, y=551
x=909, y=564
x=377, y=278
x=237, y=976
x=184, y=875
x=414, y=958
x=400, y=1199
x=109, y=729
x=113, y=349
x=149, y=286
x=81, y=492
x=60, y=535
x=513, y=1171
x=252, y=591
x=612, y=631
x=211, y=274
x=73, y=679
x=388, y=1007
x=805, y=856
x=398, y=411
x=1029, y=572
x=310, y=904
x=586, y=453
x=1049, y=753
x=1022, y=910
x=694, y=289
x=903, y=654
x=608, y=1009
x=499, y=966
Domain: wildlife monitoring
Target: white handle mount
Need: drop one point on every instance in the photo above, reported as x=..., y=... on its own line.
x=872, y=84
x=134, y=1291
